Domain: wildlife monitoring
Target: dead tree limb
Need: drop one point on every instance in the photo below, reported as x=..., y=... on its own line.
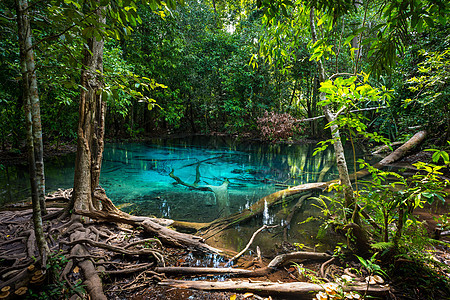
x=385, y=148
x=203, y=271
x=300, y=289
x=283, y=259
x=127, y=270
x=220, y=192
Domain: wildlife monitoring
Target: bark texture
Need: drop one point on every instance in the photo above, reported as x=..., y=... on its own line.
x=33, y=124
x=304, y=290
x=90, y=125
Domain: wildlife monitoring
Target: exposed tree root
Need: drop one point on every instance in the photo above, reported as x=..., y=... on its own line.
x=135, y=269
x=116, y=249
x=168, y=236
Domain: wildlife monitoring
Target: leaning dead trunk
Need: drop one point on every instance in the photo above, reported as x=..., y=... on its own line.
x=33, y=125
x=220, y=192
x=90, y=125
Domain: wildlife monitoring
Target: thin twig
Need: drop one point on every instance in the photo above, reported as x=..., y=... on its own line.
x=352, y=111
x=249, y=243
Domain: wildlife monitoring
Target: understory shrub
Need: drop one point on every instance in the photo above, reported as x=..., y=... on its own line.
x=277, y=126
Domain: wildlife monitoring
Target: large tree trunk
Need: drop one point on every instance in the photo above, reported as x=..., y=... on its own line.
x=90, y=125
x=33, y=125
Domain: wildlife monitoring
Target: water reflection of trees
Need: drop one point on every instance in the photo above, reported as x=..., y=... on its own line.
x=293, y=165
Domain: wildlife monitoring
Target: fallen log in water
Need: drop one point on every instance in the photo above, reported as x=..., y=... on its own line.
x=274, y=265
x=304, y=290
x=257, y=208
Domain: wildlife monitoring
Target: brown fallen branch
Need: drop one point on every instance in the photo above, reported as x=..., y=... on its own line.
x=322, y=267
x=402, y=150
x=304, y=290
x=282, y=259
x=187, y=226
x=385, y=148
x=248, y=244
x=275, y=264
x=203, y=271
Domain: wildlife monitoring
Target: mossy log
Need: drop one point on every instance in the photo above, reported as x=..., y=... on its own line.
x=257, y=208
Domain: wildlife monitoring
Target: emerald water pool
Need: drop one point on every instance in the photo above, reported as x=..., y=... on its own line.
x=136, y=175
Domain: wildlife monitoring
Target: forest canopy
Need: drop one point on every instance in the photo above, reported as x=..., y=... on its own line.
x=209, y=67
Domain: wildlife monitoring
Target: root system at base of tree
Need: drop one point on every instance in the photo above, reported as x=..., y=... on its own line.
x=108, y=260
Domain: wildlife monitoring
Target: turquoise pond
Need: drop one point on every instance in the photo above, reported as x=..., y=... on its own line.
x=136, y=175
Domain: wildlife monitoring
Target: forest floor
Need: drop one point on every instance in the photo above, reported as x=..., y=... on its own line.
x=138, y=275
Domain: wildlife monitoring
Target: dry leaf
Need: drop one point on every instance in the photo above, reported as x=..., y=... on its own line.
x=233, y=297
x=76, y=269
x=248, y=295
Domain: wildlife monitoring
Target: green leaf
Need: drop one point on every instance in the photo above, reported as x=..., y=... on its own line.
x=429, y=21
